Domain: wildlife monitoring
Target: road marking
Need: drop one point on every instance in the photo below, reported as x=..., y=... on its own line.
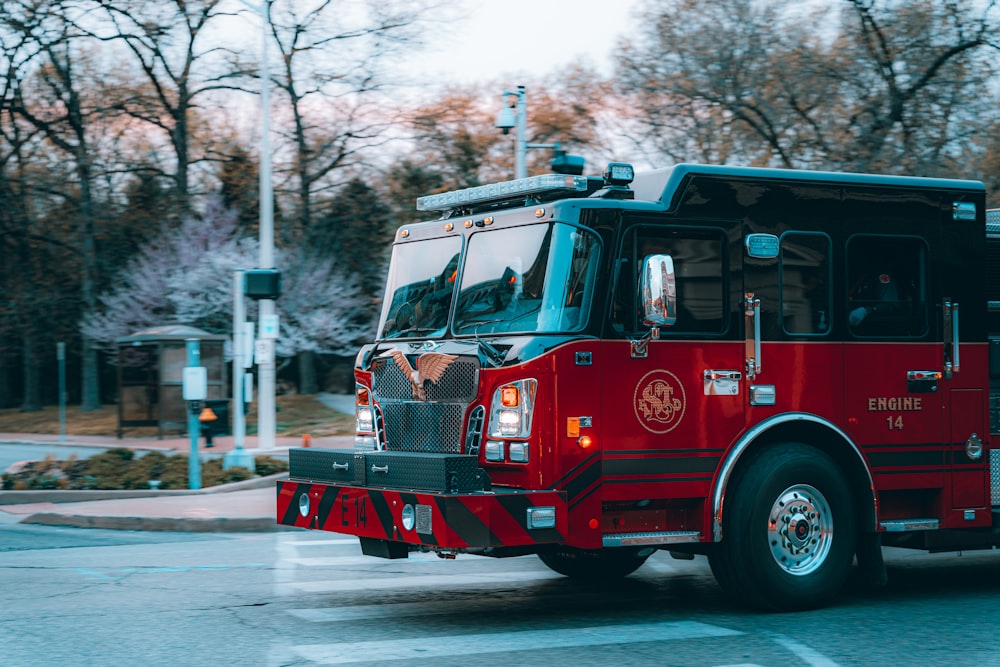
x=307, y=543
x=811, y=656
x=400, y=580
x=503, y=642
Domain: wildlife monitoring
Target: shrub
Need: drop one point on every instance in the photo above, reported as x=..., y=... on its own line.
x=120, y=468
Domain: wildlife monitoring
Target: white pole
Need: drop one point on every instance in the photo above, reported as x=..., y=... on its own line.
x=266, y=366
x=239, y=456
x=521, y=151
x=239, y=346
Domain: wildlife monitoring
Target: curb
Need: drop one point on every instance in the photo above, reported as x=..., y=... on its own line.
x=163, y=524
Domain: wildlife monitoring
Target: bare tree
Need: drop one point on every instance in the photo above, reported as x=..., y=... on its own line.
x=57, y=105
x=883, y=85
x=169, y=44
x=332, y=58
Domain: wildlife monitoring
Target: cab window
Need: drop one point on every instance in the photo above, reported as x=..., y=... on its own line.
x=698, y=268
x=886, y=290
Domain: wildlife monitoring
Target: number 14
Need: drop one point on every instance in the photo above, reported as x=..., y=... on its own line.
x=895, y=423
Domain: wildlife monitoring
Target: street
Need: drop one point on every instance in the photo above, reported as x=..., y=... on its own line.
x=94, y=597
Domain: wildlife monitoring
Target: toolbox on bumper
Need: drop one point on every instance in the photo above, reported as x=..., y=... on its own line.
x=447, y=473
x=327, y=465
x=450, y=473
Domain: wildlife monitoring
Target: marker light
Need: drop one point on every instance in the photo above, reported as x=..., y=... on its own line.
x=508, y=396
x=494, y=450
x=585, y=442
x=541, y=517
x=518, y=452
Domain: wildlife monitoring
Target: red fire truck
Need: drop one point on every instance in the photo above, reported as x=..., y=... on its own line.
x=782, y=370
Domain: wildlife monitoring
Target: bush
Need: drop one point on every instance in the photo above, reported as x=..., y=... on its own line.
x=120, y=469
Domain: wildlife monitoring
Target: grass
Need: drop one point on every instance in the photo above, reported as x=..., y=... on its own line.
x=296, y=416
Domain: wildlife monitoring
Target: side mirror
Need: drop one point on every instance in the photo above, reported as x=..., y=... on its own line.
x=658, y=287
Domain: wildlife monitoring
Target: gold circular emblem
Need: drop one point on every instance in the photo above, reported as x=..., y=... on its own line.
x=659, y=401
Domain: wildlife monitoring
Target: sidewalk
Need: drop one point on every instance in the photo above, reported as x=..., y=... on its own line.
x=239, y=507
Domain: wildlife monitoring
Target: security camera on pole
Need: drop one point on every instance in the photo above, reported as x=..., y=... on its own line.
x=514, y=115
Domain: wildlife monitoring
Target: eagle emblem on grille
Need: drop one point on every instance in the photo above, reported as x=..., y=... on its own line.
x=430, y=366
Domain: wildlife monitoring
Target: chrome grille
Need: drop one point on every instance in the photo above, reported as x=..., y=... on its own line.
x=434, y=425
x=458, y=383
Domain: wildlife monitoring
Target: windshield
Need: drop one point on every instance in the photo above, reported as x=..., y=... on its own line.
x=419, y=289
x=536, y=278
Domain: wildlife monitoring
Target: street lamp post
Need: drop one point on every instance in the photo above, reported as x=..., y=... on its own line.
x=266, y=309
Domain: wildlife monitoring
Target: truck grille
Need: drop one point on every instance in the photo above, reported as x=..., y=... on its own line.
x=434, y=425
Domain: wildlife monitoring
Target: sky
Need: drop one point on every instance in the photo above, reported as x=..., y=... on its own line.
x=495, y=39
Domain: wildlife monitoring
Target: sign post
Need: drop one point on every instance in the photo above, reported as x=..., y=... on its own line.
x=61, y=356
x=195, y=388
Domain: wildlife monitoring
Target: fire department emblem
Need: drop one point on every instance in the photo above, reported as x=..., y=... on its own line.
x=659, y=401
x=430, y=366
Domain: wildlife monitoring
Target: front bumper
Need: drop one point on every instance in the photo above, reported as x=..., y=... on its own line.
x=471, y=521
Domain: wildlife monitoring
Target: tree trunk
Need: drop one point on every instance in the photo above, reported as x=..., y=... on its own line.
x=32, y=386
x=307, y=373
x=6, y=395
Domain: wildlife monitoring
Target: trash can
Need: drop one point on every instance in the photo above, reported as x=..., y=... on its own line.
x=214, y=419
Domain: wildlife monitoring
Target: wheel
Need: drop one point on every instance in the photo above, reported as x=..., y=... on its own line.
x=788, y=531
x=596, y=564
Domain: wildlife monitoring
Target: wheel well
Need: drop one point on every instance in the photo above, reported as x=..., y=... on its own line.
x=805, y=429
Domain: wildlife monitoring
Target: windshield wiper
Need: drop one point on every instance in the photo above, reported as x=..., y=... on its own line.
x=493, y=355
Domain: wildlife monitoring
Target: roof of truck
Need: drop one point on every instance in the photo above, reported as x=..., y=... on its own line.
x=662, y=184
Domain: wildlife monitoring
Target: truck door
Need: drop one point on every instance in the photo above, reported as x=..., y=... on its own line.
x=894, y=391
x=793, y=362
x=672, y=405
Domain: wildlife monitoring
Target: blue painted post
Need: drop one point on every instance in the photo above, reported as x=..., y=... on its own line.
x=61, y=357
x=194, y=426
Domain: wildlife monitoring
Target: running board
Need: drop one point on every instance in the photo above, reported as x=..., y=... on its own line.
x=906, y=525
x=651, y=539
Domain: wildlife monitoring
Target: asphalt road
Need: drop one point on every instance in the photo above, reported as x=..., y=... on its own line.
x=75, y=597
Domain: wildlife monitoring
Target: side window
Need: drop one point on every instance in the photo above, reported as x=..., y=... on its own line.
x=699, y=271
x=805, y=284
x=886, y=287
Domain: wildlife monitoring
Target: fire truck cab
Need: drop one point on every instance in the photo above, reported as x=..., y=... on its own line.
x=781, y=370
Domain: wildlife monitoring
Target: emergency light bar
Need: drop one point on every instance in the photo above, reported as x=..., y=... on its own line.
x=545, y=183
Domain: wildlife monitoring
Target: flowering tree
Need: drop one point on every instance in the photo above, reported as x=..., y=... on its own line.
x=185, y=276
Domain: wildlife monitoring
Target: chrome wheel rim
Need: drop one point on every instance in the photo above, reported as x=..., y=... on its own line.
x=800, y=529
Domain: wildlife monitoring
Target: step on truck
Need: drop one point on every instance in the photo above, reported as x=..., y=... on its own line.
x=780, y=370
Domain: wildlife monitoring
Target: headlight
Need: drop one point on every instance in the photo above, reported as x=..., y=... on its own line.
x=512, y=408
x=365, y=417
x=409, y=517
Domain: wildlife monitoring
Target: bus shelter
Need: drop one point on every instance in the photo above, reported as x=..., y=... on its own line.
x=150, y=376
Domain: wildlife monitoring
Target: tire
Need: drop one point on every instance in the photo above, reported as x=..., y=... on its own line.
x=595, y=565
x=789, y=531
